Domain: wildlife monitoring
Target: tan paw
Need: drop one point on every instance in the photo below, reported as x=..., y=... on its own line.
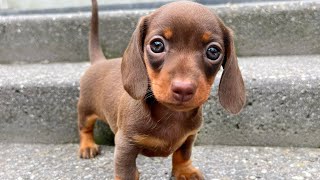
x=89, y=151
x=187, y=173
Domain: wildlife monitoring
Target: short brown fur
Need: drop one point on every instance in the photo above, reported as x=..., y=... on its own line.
x=151, y=100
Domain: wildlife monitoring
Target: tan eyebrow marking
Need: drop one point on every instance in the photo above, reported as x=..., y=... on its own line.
x=167, y=33
x=206, y=36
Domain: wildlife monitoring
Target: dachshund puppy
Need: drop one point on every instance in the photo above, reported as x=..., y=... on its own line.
x=152, y=98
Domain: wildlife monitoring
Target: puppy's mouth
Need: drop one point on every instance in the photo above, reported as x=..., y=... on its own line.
x=176, y=105
x=179, y=106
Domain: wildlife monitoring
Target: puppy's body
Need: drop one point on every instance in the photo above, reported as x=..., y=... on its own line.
x=152, y=98
x=93, y=98
x=158, y=130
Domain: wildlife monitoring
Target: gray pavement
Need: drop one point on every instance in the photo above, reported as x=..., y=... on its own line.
x=39, y=101
x=26, y=161
x=277, y=28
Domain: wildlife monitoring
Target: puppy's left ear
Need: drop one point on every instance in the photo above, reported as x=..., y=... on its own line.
x=133, y=69
x=231, y=89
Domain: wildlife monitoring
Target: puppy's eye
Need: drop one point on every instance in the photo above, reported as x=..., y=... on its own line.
x=213, y=53
x=157, y=46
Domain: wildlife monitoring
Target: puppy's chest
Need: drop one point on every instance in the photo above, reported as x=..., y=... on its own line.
x=162, y=142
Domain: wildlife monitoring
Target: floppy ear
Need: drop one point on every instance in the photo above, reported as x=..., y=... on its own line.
x=231, y=88
x=133, y=69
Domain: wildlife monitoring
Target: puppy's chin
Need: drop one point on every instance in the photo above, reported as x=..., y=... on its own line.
x=179, y=106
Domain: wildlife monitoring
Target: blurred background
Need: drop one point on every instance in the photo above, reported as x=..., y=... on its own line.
x=15, y=5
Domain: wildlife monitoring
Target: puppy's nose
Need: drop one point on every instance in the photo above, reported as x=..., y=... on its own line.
x=183, y=91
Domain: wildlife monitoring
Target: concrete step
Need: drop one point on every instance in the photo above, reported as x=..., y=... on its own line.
x=34, y=161
x=273, y=28
x=38, y=104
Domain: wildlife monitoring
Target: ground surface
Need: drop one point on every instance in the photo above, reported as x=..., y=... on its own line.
x=26, y=161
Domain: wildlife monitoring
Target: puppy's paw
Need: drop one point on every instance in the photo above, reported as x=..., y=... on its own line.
x=187, y=173
x=89, y=151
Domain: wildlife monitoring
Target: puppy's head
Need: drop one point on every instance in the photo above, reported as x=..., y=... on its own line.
x=178, y=50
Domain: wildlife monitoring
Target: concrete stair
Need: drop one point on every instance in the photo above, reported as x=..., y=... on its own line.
x=282, y=108
x=43, y=56
x=26, y=161
x=278, y=28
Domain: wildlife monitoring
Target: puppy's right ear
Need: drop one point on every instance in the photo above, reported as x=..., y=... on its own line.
x=231, y=92
x=133, y=69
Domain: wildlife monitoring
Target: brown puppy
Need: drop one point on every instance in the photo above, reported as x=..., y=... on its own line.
x=152, y=98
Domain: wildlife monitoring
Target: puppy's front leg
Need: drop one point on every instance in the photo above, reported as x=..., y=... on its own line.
x=181, y=163
x=125, y=158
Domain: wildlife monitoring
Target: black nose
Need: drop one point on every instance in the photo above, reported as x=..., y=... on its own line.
x=182, y=91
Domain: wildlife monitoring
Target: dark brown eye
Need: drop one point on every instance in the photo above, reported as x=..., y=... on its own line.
x=213, y=53
x=157, y=46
